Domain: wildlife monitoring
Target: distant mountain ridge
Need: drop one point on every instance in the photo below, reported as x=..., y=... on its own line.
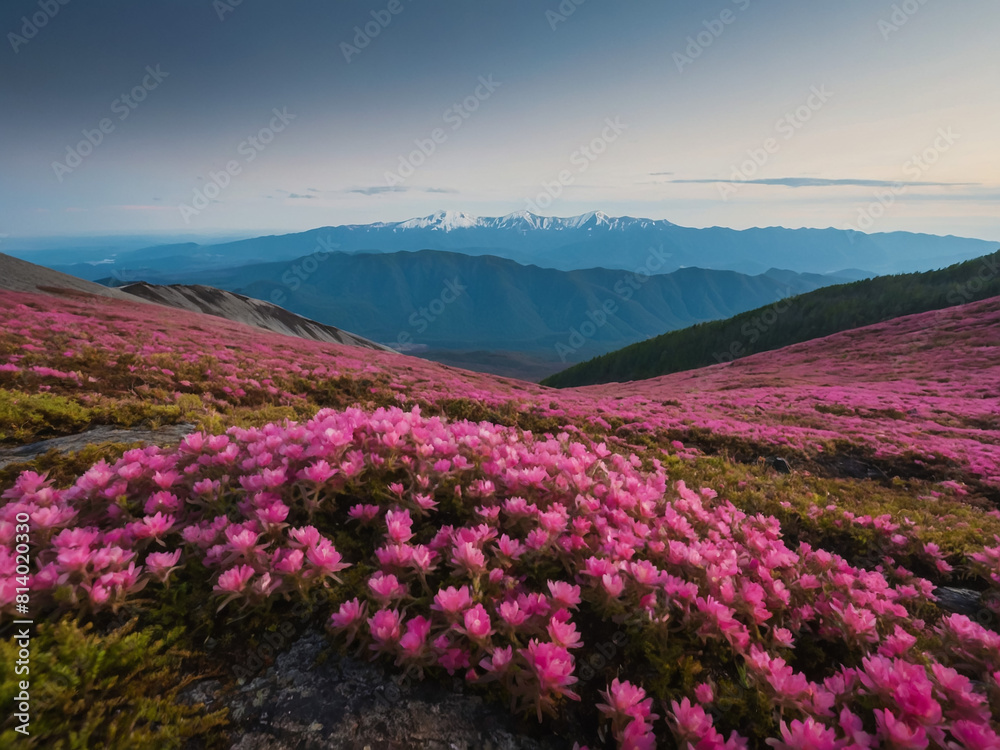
x=435, y=300
x=591, y=240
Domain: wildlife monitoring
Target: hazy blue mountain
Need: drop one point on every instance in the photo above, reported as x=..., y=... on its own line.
x=812, y=315
x=588, y=241
x=450, y=302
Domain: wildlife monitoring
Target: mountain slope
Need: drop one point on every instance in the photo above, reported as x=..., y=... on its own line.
x=442, y=300
x=313, y=459
x=242, y=309
x=18, y=275
x=819, y=313
x=21, y=276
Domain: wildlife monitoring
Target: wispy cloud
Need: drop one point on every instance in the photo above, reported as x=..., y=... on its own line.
x=800, y=182
x=306, y=197
x=381, y=189
x=660, y=174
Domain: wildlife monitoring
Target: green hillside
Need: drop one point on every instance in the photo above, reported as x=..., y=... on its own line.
x=812, y=315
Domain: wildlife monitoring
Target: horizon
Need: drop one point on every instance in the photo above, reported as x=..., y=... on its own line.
x=737, y=115
x=223, y=235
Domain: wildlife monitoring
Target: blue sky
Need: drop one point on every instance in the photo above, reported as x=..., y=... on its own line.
x=862, y=114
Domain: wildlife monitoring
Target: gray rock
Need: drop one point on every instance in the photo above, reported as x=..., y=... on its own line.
x=341, y=703
x=168, y=435
x=963, y=601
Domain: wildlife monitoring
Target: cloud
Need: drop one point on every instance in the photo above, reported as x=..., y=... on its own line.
x=296, y=195
x=798, y=182
x=137, y=208
x=381, y=189
x=660, y=174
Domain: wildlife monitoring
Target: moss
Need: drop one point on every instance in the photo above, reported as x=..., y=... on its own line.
x=118, y=690
x=28, y=417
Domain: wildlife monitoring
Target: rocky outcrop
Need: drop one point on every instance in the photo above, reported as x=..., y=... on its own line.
x=163, y=436
x=255, y=312
x=310, y=699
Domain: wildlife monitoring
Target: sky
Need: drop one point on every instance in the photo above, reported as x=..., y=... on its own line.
x=221, y=116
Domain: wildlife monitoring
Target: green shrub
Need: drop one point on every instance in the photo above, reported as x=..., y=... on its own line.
x=117, y=691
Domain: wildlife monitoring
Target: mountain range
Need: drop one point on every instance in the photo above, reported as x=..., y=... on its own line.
x=450, y=307
x=590, y=240
x=820, y=313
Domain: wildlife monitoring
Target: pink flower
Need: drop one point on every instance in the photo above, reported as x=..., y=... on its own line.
x=563, y=632
x=289, y=561
x=511, y=548
x=477, y=623
x=154, y=527
x=161, y=564
x=898, y=734
x=638, y=735
x=242, y=541
x=399, y=526
x=326, y=561
x=552, y=666
x=805, y=735
x=511, y=613
x=703, y=693
x=386, y=588
x=235, y=579
x=564, y=594
x=452, y=601
x=623, y=699
x=384, y=627
x=613, y=585
x=363, y=513
x=499, y=661
x=690, y=723
x=469, y=557
x=308, y=536
x=318, y=472
x=783, y=637
x=422, y=559
x=349, y=615
x=414, y=642
x=162, y=501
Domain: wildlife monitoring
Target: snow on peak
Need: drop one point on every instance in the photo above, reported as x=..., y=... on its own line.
x=444, y=221
x=590, y=219
x=523, y=220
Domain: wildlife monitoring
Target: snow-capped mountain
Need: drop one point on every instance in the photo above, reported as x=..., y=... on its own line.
x=448, y=221
x=591, y=240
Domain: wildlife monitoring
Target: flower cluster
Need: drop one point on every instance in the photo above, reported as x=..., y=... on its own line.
x=465, y=596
